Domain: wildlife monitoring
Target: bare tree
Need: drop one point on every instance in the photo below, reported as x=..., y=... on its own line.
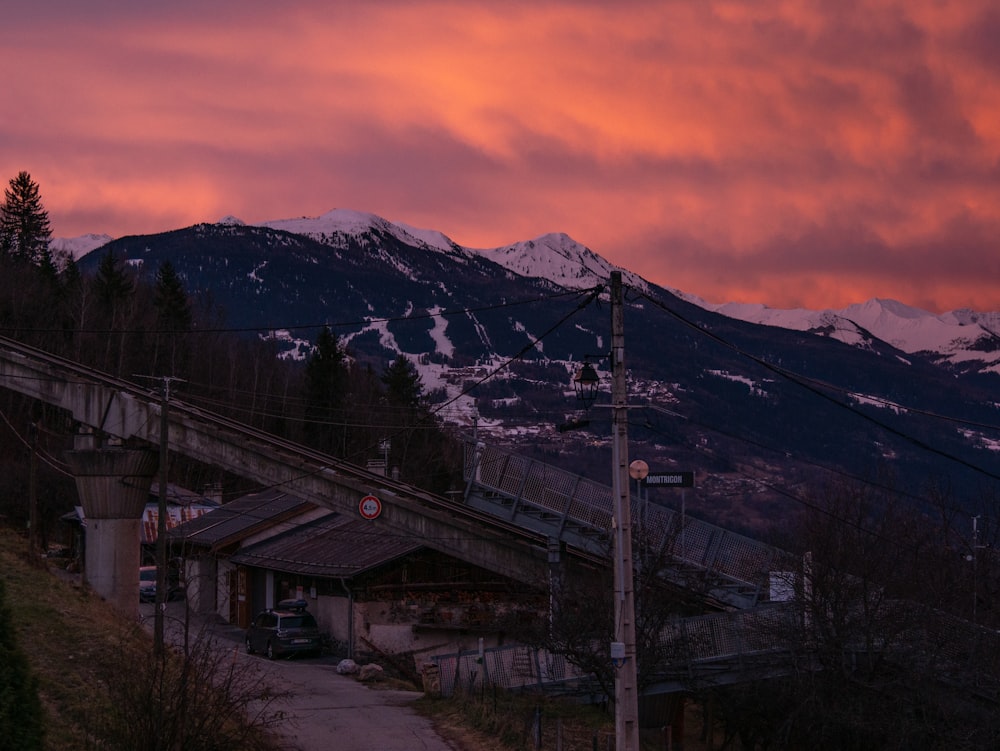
x=199, y=698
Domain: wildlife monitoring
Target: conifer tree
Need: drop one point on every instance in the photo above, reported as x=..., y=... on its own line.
x=326, y=390
x=25, y=232
x=112, y=285
x=173, y=310
x=403, y=385
x=114, y=291
x=173, y=321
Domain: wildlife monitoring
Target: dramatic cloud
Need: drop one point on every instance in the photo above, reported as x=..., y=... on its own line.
x=794, y=153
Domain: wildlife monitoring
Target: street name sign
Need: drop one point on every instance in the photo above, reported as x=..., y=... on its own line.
x=669, y=480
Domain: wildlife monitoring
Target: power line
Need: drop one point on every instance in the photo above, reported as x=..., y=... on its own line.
x=810, y=385
x=367, y=321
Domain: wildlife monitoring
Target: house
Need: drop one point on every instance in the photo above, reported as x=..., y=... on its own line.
x=182, y=505
x=372, y=588
x=213, y=582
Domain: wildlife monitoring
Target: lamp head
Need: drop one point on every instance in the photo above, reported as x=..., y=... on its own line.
x=585, y=383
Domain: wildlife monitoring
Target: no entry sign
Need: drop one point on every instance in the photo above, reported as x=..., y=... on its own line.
x=370, y=507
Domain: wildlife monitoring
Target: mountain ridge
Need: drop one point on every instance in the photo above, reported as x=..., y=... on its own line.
x=961, y=337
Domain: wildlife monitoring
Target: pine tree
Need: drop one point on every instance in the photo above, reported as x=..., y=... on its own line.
x=173, y=310
x=114, y=291
x=112, y=285
x=173, y=320
x=403, y=385
x=25, y=232
x=326, y=390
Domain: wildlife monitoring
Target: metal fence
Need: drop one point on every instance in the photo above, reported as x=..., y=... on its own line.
x=510, y=667
x=694, y=647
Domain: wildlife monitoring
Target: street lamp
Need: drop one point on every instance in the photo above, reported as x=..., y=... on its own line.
x=586, y=383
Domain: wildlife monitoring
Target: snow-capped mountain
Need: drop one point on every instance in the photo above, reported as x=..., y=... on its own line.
x=963, y=338
x=498, y=332
x=340, y=223
x=958, y=337
x=77, y=247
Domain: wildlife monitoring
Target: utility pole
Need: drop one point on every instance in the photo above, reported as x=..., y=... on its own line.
x=975, y=563
x=33, y=492
x=161, y=521
x=623, y=650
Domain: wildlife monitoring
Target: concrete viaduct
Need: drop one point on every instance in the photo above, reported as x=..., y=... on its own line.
x=116, y=456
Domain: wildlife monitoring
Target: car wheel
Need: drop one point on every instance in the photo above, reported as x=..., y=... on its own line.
x=249, y=646
x=270, y=651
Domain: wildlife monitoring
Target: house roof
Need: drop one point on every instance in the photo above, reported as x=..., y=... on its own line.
x=334, y=546
x=239, y=519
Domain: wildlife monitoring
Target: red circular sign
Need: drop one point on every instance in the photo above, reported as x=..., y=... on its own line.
x=370, y=507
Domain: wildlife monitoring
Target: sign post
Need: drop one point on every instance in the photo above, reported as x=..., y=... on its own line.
x=673, y=480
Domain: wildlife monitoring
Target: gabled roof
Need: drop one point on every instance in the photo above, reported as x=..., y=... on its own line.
x=334, y=546
x=239, y=519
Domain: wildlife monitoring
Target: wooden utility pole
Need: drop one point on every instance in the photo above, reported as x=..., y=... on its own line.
x=33, y=492
x=623, y=650
x=161, y=521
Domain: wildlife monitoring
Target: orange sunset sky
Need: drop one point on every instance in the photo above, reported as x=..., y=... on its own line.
x=800, y=153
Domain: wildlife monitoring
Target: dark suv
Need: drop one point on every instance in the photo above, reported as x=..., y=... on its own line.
x=286, y=630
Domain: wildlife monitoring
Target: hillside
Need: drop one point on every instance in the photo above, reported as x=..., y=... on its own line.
x=85, y=657
x=65, y=631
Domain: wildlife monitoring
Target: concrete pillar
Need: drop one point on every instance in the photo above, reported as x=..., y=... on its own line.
x=113, y=485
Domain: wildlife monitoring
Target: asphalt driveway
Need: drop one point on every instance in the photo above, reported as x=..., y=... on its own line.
x=326, y=710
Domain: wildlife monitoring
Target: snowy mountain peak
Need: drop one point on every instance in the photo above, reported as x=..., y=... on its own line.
x=350, y=222
x=335, y=221
x=77, y=247
x=881, y=308
x=560, y=258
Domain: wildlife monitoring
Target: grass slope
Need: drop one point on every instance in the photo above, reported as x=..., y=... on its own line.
x=64, y=630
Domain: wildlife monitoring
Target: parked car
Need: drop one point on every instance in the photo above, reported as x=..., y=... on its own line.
x=147, y=584
x=286, y=630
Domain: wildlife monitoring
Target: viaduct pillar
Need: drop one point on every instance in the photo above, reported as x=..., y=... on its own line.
x=113, y=484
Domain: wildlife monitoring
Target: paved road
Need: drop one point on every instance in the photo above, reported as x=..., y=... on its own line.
x=327, y=710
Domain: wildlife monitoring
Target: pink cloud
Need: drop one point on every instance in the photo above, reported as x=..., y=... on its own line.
x=757, y=151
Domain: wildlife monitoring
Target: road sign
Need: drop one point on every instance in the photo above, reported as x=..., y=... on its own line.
x=370, y=507
x=669, y=480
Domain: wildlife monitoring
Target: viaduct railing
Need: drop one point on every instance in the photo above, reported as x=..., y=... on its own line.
x=730, y=567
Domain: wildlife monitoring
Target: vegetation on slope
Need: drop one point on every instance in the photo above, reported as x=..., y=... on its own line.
x=101, y=685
